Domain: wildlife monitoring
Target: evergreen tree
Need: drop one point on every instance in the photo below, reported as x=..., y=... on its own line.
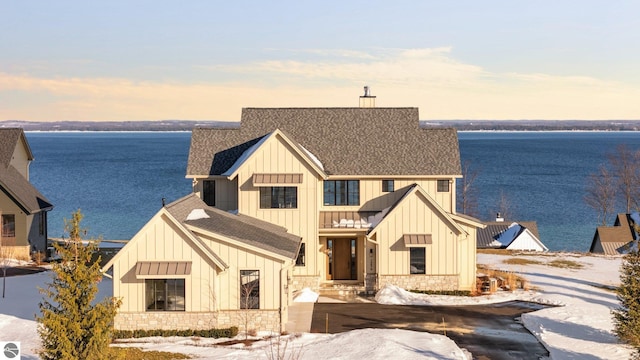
x=70, y=326
x=626, y=318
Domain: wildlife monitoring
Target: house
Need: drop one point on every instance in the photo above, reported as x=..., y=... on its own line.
x=193, y=266
x=617, y=239
x=23, y=209
x=521, y=235
x=366, y=193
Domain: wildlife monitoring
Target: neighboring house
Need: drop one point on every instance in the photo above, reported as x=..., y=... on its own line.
x=23, y=210
x=521, y=235
x=368, y=194
x=617, y=239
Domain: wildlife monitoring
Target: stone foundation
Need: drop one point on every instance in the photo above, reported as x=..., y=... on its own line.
x=371, y=283
x=259, y=320
x=420, y=282
x=300, y=282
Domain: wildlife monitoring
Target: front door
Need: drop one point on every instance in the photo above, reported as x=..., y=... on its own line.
x=342, y=259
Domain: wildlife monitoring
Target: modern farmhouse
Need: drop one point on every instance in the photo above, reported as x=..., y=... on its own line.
x=295, y=198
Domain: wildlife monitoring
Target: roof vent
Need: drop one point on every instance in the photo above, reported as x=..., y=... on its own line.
x=499, y=218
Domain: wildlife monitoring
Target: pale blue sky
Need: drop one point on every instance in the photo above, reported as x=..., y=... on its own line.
x=146, y=60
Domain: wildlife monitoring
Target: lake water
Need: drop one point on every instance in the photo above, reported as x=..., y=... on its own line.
x=118, y=179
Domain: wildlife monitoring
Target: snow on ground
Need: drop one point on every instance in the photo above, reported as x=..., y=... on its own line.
x=579, y=327
x=306, y=295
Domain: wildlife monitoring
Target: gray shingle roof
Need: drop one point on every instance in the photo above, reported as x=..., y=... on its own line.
x=241, y=228
x=487, y=235
x=12, y=182
x=347, y=141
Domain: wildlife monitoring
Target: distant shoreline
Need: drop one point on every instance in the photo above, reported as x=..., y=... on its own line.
x=188, y=125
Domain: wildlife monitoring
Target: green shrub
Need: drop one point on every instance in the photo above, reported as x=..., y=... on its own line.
x=207, y=333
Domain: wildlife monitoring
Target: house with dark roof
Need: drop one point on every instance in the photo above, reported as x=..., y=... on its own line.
x=23, y=209
x=521, y=235
x=617, y=239
x=299, y=198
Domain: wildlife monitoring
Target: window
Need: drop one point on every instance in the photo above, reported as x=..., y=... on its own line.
x=42, y=223
x=342, y=192
x=387, y=186
x=300, y=258
x=249, y=289
x=417, y=260
x=443, y=185
x=280, y=197
x=164, y=294
x=8, y=225
x=209, y=192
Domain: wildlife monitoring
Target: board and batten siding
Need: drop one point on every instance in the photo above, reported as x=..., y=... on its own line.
x=277, y=157
x=467, y=251
x=372, y=198
x=226, y=191
x=238, y=259
x=160, y=240
x=20, y=159
x=415, y=216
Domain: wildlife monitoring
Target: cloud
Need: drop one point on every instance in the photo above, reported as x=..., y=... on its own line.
x=431, y=79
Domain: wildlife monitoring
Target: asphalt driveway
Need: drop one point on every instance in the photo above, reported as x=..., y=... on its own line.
x=487, y=331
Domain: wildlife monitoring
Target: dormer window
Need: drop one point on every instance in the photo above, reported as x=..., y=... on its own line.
x=209, y=192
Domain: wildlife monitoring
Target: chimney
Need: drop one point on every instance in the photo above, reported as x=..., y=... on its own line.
x=367, y=101
x=499, y=218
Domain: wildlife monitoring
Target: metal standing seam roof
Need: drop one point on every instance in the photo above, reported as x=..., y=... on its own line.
x=165, y=268
x=347, y=141
x=242, y=228
x=277, y=178
x=416, y=240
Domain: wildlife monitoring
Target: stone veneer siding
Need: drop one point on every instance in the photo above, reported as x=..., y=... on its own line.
x=420, y=282
x=371, y=283
x=300, y=282
x=260, y=320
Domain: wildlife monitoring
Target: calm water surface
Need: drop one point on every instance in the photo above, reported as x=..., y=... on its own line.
x=118, y=180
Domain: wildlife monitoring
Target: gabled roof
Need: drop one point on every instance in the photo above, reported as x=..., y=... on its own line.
x=12, y=183
x=413, y=190
x=615, y=239
x=247, y=154
x=241, y=228
x=9, y=138
x=347, y=141
x=488, y=236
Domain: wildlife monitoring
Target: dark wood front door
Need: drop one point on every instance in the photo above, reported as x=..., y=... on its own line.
x=344, y=259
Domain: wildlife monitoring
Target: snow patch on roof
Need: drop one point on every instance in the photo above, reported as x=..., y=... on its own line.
x=245, y=155
x=197, y=214
x=313, y=157
x=367, y=222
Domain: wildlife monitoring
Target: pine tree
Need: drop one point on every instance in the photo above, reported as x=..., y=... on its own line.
x=70, y=326
x=626, y=318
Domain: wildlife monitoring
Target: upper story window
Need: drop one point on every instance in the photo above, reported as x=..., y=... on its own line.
x=443, y=185
x=279, y=197
x=342, y=192
x=388, y=186
x=209, y=192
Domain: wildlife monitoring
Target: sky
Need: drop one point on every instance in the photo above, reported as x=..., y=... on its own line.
x=206, y=60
